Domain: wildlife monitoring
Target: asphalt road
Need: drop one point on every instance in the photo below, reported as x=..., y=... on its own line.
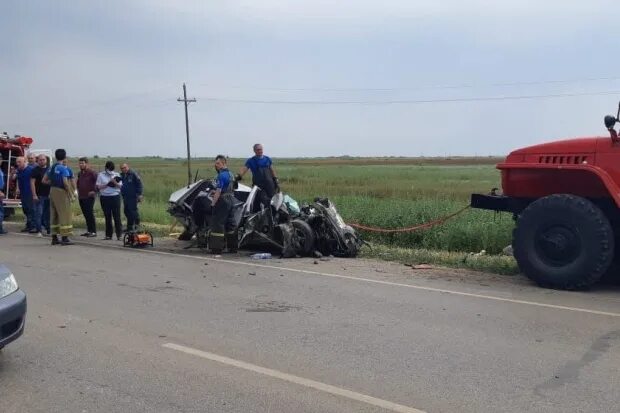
x=113, y=330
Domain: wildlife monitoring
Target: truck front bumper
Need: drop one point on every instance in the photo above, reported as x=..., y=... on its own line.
x=499, y=203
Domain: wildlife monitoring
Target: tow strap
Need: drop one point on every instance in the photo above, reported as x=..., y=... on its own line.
x=426, y=225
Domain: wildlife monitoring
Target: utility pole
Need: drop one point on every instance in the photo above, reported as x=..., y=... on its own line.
x=187, y=101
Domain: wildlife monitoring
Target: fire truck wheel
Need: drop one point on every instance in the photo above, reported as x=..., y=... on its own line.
x=563, y=241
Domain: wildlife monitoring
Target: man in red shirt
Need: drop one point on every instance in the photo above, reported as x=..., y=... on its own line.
x=87, y=191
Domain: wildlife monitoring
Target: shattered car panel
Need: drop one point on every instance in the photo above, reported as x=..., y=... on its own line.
x=334, y=236
x=284, y=226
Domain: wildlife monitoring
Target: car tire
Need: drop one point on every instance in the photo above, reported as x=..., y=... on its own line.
x=305, y=235
x=564, y=242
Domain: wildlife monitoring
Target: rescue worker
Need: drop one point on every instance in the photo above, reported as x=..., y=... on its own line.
x=132, y=195
x=263, y=174
x=61, y=197
x=223, y=229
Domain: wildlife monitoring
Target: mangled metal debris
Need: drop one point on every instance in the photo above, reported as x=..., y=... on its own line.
x=285, y=227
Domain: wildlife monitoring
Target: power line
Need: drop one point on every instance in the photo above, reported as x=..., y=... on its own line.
x=408, y=101
x=77, y=110
x=115, y=100
x=77, y=114
x=422, y=87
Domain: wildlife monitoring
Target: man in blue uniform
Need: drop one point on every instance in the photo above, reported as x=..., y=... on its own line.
x=23, y=174
x=223, y=229
x=61, y=196
x=132, y=194
x=263, y=174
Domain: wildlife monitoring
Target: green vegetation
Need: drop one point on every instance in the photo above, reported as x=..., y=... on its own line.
x=389, y=194
x=382, y=192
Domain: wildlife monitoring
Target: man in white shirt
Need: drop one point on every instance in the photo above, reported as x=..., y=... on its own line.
x=109, y=186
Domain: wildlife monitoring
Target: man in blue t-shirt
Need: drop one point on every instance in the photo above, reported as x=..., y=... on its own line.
x=263, y=174
x=23, y=173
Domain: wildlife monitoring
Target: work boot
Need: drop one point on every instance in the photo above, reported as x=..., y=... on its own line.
x=55, y=240
x=217, y=242
x=232, y=241
x=66, y=241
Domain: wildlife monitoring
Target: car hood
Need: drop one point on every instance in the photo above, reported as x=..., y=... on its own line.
x=4, y=271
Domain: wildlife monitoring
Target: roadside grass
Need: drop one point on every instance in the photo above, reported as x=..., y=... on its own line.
x=379, y=192
x=496, y=264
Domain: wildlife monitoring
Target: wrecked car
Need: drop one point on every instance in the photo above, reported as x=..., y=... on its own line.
x=285, y=227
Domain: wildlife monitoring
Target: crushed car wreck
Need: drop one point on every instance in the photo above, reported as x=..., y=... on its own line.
x=284, y=227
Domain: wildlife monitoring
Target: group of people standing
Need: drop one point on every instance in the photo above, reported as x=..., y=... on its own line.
x=29, y=176
x=47, y=192
x=111, y=188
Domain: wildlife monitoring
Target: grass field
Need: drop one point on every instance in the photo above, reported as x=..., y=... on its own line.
x=383, y=192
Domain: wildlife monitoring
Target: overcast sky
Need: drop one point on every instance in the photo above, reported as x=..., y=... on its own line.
x=307, y=78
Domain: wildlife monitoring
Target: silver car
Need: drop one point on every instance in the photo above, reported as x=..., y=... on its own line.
x=12, y=307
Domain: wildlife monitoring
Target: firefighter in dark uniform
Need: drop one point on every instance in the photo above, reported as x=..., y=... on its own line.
x=223, y=229
x=263, y=174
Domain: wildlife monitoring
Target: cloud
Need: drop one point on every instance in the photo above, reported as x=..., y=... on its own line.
x=360, y=10
x=346, y=14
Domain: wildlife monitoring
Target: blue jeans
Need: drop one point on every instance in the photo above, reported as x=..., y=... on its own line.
x=28, y=209
x=41, y=210
x=1, y=215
